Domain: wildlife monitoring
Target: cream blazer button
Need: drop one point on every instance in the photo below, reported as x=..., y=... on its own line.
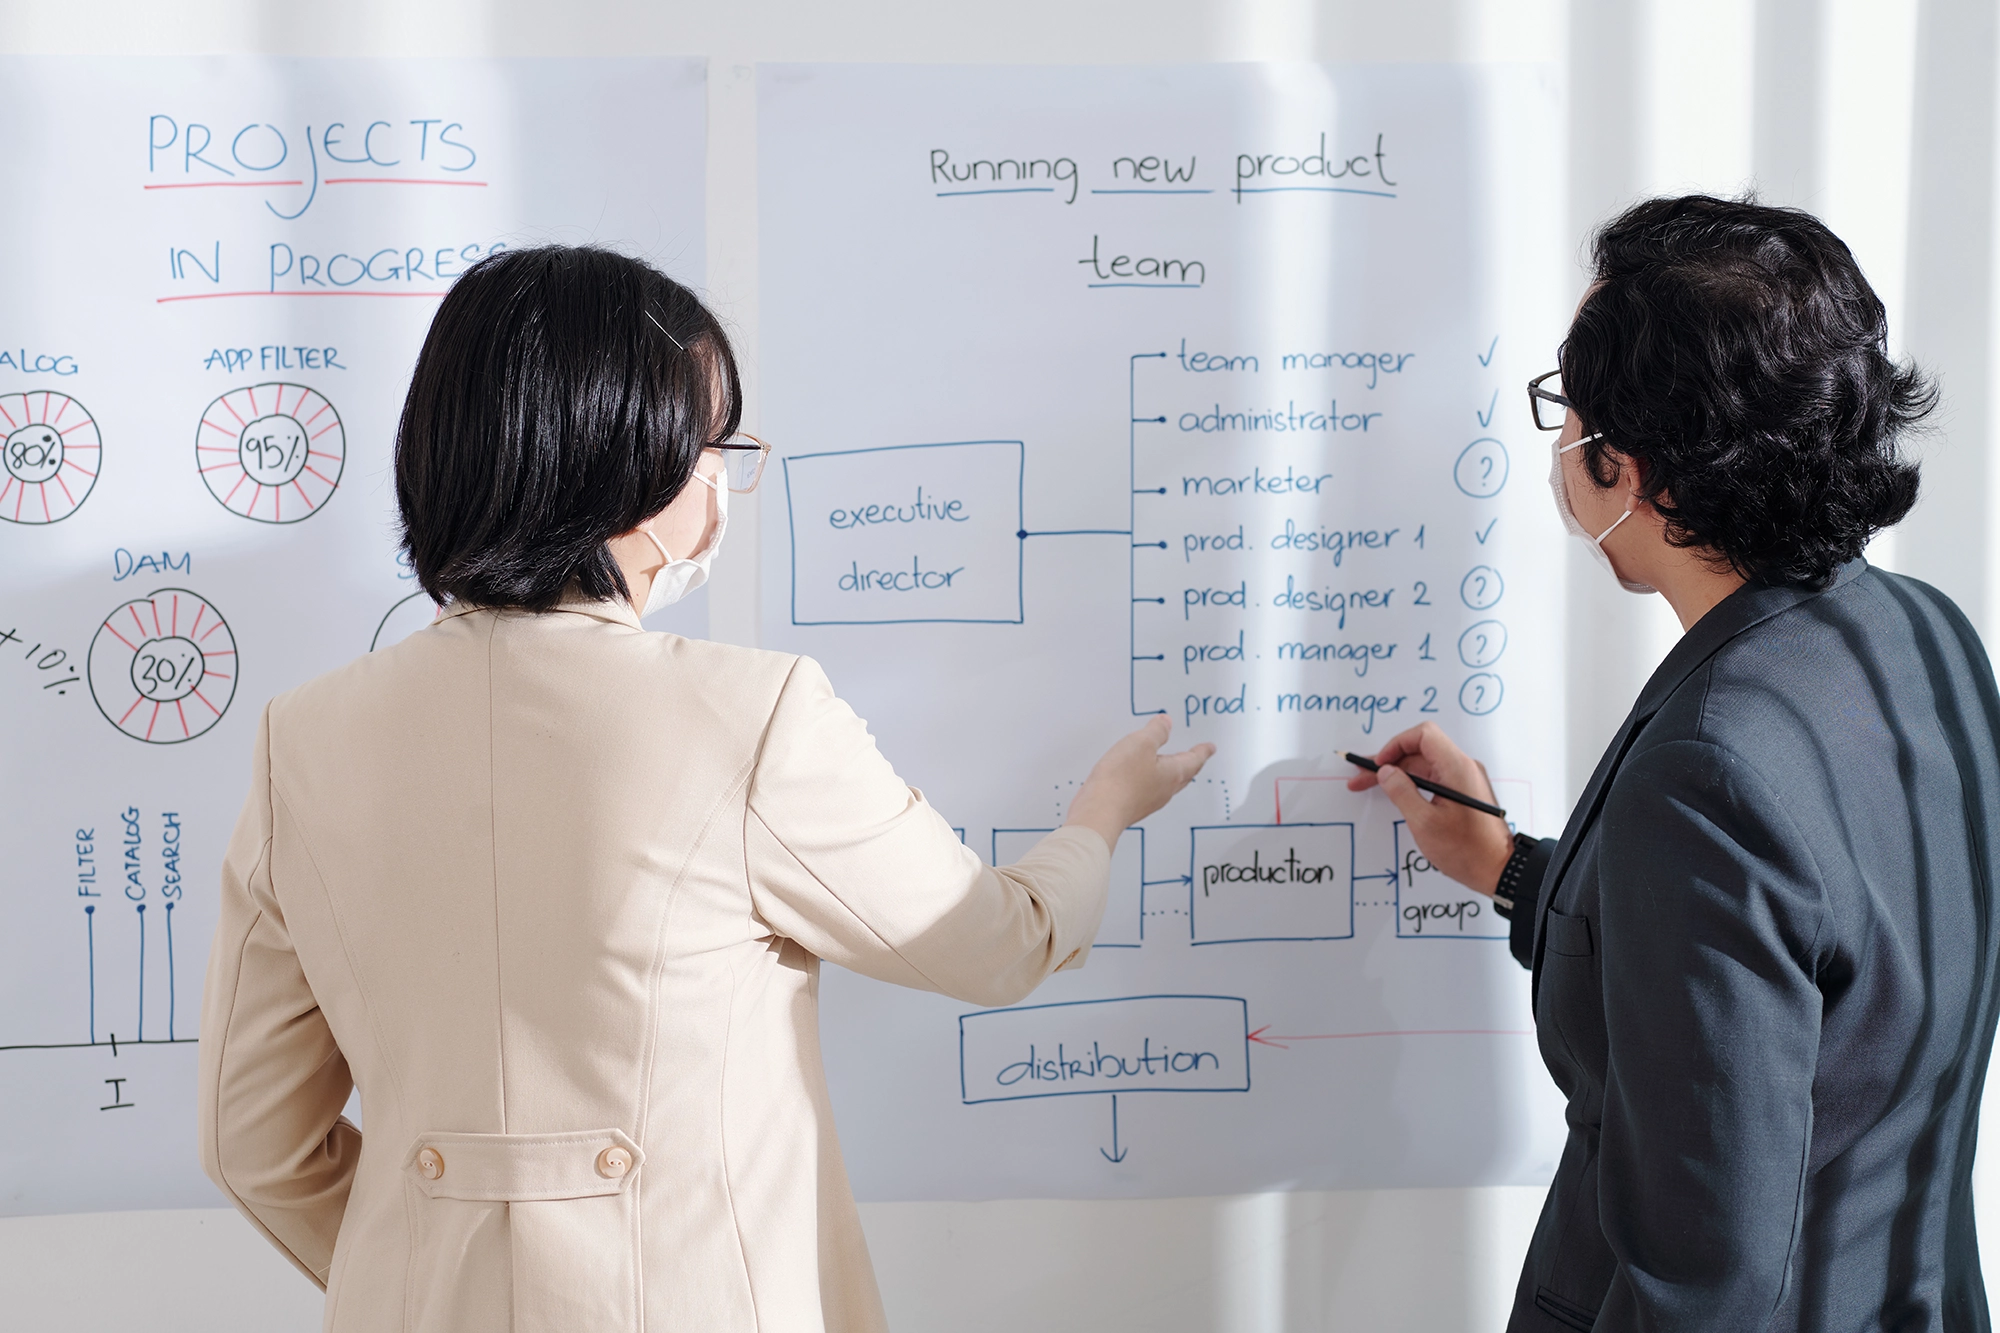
x=629, y=905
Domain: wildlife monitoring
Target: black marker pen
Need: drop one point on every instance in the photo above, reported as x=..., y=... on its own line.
x=1425, y=784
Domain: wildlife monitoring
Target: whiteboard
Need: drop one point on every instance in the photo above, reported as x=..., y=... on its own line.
x=1099, y=392
x=219, y=272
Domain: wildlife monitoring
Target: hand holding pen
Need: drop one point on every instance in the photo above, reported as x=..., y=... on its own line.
x=1462, y=833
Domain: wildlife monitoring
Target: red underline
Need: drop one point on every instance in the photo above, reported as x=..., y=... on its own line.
x=210, y=296
x=330, y=180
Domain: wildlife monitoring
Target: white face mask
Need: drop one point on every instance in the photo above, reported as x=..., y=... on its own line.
x=1577, y=529
x=677, y=578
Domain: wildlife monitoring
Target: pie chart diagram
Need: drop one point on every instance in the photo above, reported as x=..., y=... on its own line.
x=271, y=452
x=163, y=667
x=48, y=456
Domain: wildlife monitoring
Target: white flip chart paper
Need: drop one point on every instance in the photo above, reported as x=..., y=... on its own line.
x=218, y=272
x=1104, y=392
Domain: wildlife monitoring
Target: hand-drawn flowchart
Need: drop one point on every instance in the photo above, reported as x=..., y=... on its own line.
x=1190, y=396
x=198, y=400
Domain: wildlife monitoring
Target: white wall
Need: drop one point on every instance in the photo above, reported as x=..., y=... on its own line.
x=1375, y=1260
x=1879, y=114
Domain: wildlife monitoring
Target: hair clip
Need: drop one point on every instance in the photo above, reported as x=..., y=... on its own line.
x=663, y=329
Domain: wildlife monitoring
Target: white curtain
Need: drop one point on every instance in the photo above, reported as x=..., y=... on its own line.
x=1879, y=117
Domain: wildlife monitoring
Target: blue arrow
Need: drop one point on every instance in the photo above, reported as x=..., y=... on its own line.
x=1086, y=532
x=1117, y=1154
x=90, y=947
x=170, y=971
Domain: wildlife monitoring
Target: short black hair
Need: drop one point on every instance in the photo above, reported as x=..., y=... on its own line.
x=1737, y=352
x=562, y=397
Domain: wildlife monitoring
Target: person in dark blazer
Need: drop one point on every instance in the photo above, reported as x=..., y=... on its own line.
x=1764, y=951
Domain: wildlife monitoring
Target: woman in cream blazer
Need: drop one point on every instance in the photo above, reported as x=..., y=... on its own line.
x=552, y=891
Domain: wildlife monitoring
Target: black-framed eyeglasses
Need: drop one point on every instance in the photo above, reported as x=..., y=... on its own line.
x=1550, y=408
x=743, y=458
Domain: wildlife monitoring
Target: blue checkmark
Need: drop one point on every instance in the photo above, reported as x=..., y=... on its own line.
x=1482, y=536
x=1487, y=359
x=1486, y=417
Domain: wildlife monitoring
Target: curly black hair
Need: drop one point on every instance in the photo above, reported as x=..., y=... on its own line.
x=1737, y=353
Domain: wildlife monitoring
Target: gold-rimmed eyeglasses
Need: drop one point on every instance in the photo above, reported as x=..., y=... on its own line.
x=743, y=458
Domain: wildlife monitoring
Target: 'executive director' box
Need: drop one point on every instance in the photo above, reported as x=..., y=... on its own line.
x=906, y=533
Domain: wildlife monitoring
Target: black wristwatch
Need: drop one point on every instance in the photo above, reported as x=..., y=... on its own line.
x=1509, y=886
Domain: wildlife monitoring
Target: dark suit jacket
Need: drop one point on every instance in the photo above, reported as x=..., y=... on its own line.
x=1765, y=977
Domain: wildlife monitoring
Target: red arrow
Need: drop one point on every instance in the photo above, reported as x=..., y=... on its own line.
x=1280, y=1038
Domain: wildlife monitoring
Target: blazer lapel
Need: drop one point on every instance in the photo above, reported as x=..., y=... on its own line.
x=1748, y=606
